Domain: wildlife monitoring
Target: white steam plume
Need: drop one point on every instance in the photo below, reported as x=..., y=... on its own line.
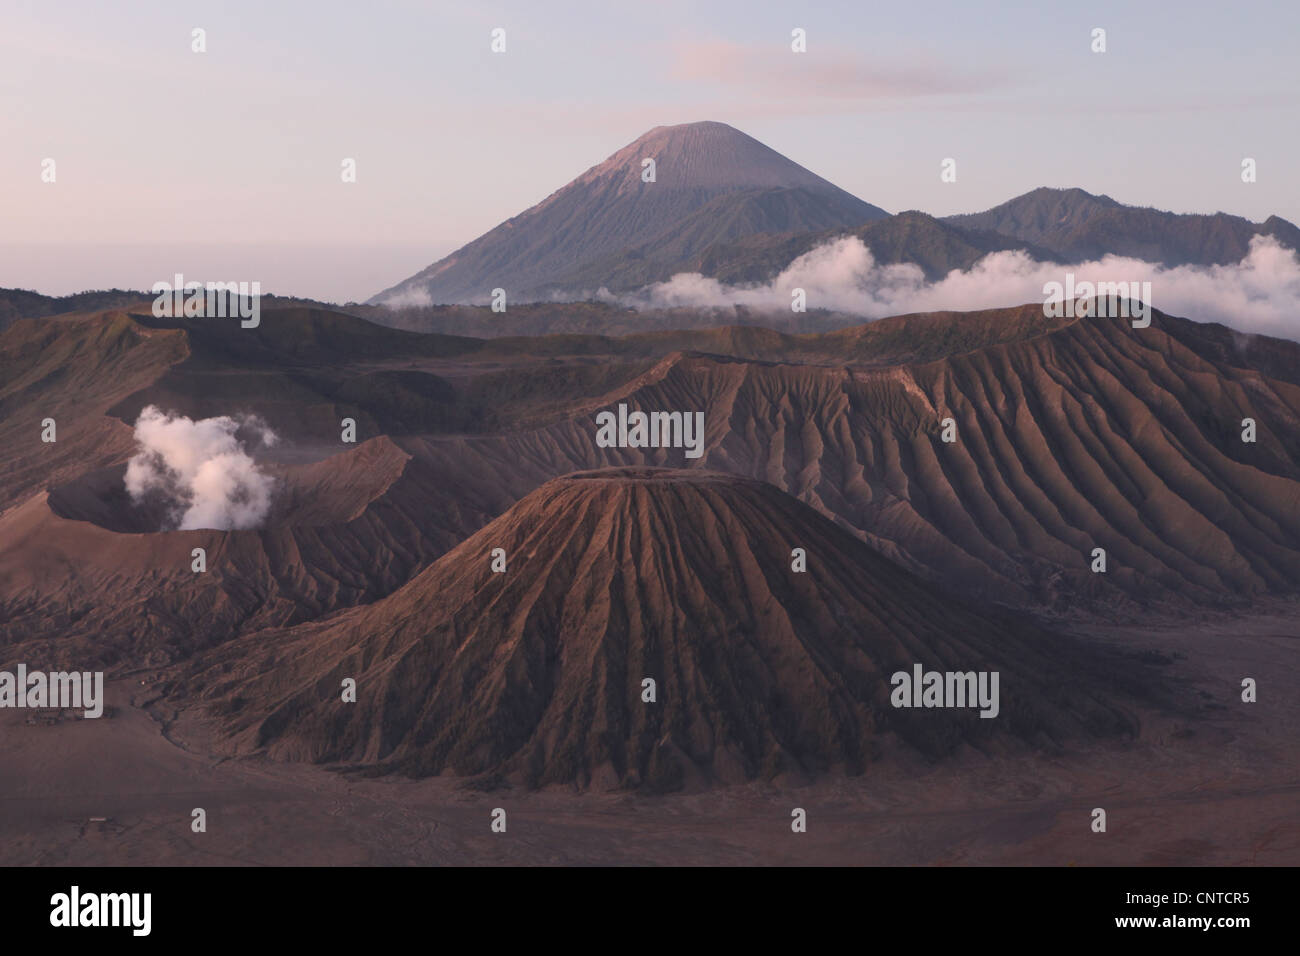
x=1259, y=294
x=200, y=469
x=412, y=297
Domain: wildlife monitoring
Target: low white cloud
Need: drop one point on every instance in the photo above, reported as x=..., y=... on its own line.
x=201, y=469
x=1259, y=294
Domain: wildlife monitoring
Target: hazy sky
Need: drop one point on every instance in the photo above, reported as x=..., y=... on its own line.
x=210, y=160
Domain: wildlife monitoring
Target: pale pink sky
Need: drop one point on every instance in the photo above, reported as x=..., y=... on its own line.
x=238, y=150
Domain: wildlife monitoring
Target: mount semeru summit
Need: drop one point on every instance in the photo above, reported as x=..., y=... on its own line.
x=609, y=227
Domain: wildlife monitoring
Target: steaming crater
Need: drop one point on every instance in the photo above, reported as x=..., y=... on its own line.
x=200, y=472
x=327, y=490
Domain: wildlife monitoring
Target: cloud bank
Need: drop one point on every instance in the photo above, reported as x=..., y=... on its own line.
x=1259, y=294
x=201, y=469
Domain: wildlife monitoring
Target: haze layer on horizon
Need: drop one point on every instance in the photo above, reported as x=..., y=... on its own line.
x=240, y=147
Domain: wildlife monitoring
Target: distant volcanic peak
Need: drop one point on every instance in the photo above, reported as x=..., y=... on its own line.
x=1071, y=200
x=1078, y=226
x=1071, y=194
x=708, y=156
x=1034, y=214
x=617, y=206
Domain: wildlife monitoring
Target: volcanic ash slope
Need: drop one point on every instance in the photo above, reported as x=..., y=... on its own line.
x=535, y=675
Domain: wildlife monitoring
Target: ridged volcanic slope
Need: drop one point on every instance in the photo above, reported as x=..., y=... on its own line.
x=535, y=674
x=1090, y=435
